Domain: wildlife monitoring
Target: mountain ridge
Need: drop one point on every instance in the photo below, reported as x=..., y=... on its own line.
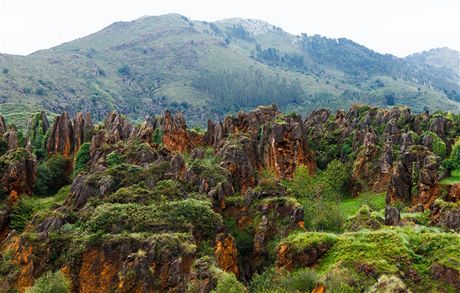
x=208, y=69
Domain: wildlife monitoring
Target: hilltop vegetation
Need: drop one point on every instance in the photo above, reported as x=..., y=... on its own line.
x=209, y=69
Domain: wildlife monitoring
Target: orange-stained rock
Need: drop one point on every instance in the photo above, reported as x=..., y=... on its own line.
x=454, y=192
x=17, y=173
x=289, y=257
x=23, y=257
x=97, y=272
x=176, y=137
x=319, y=289
x=226, y=253
x=65, y=137
x=284, y=146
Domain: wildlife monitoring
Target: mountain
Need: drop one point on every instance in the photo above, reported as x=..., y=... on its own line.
x=439, y=57
x=208, y=69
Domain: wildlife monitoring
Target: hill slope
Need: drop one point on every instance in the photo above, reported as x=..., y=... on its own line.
x=209, y=69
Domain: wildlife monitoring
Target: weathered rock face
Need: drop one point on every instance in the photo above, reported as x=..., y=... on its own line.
x=11, y=138
x=2, y=125
x=226, y=253
x=262, y=138
x=116, y=127
x=135, y=266
x=414, y=179
x=446, y=215
x=176, y=137
x=37, y=126
x=17, y=172
x=446, y=274
x=61, y=138
x=83, y=129
x=392, y=216
x=289, y=257
x=283, y=147
x=239, y=156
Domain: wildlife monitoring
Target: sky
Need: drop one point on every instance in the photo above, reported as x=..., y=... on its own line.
x=398, y=27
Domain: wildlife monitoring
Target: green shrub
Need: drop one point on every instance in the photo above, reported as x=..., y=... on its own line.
x=301, y=280
x=113, y=159
x=167, y=189
x=453, y=162
x=51, y=283
x=3, y=146
x=21, y=214
x=52, y=175
x=82, y=157
x=157, y=137
x=438, y=146
x=227, y=283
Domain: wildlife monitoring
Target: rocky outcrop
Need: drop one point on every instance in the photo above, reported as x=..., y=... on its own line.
x=446, y=215
x=17, y=172
x=283, y=146
x=11, y=137
x=415, y=177
x=446, y=274
x=289, y=257
x=2, y=125
x=239, y=156
x=61, y=138
x=158, y=265
x=392, y=216
x=176, y=137
x=82, y=128
x=226, y=253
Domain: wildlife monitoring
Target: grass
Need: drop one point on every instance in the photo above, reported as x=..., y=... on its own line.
x=349, y=206
x=454, y=178
x=391, y=250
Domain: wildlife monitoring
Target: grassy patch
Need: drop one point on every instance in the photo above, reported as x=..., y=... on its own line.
x=454, y=178
x=349, y=206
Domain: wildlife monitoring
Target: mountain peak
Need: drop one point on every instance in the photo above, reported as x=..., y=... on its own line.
x=254, y=26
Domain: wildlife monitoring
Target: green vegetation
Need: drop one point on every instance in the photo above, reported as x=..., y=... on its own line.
x=51, y=283
x=52, y=175
x=438, y=146
x=454, y=178
x=27, y=207
x=388, y=251
x=82, y=158
x=271, y=280
x=227, y=283
x=213, y=68
x=113, y=159
x=349, y=206
x=453, y=162
x=319, y=194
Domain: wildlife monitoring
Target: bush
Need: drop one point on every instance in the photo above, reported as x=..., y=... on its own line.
x=227, y=283
x=453, y=162
x=438, y=146
x=52, y=175
x=113, y=159
x=82, y=157
x=50, y=283
x=301, y=280
x=21, y=214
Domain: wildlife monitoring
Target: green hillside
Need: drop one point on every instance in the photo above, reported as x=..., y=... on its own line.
x=209, y=69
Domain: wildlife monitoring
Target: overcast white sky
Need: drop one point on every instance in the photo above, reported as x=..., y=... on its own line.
x=399, y=27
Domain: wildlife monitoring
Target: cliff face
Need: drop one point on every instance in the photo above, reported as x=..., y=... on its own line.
x=65, y=137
